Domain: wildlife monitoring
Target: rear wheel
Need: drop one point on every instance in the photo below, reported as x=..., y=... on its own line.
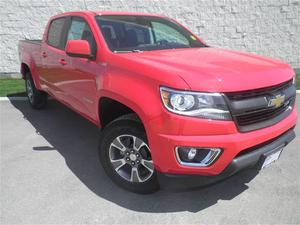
x=126, y=156
x=36, y=98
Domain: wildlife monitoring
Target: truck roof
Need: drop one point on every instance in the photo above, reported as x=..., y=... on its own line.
x=126, y=13
x=94, y=13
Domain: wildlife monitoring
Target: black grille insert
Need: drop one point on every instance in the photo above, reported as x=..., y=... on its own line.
x=258, y=92
x=260, y=115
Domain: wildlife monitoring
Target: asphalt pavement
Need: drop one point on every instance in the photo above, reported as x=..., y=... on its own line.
x=50, y=174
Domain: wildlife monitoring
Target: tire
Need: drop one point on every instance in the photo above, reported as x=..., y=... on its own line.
x=37, y=99
x=119, y=134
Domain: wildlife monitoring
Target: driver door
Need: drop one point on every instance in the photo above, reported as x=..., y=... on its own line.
x=80, y=80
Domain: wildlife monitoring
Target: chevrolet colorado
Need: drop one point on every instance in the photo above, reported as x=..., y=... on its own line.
x=173, y=111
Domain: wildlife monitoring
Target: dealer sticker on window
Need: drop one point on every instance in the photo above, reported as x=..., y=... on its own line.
x=271, y=158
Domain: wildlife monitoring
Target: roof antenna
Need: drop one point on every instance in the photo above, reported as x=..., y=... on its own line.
x=85, y=5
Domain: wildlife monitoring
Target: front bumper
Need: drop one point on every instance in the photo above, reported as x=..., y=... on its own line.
x=252, y=157
x=205, y=133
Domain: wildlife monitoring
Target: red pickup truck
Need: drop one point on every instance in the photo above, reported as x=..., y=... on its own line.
x=173, y=111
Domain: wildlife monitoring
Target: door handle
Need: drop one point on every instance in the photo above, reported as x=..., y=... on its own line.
x=63, y=62
x=44, y=54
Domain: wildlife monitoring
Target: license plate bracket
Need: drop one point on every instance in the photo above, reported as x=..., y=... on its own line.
x=271, y=157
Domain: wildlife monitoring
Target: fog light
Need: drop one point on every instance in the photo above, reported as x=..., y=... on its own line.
x=201, y=157
x=192, y=153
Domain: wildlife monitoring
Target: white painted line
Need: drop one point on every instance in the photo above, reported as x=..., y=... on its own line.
x=13, y=98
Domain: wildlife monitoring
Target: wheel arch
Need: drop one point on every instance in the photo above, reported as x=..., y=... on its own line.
x=24, y=70
x=30, y=67
x=109, y=109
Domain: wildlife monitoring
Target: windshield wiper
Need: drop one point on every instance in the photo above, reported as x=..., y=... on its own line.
x=127, y=51
x=137, y=50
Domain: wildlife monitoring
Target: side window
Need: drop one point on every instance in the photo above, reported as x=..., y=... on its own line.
x=164, y=32
x=80, y=30
x=55, y=32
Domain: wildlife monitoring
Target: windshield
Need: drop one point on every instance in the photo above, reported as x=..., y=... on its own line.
x=126, y=33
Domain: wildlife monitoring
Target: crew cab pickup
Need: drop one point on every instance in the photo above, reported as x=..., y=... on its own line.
x=172, y=111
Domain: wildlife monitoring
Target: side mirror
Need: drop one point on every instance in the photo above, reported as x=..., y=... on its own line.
x=78, y=48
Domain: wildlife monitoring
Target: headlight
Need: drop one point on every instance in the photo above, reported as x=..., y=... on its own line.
x=196, y=104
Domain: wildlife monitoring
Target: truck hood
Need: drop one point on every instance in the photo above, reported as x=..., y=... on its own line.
x=216, y=70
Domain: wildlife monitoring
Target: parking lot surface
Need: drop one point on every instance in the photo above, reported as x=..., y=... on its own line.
x=50, y=173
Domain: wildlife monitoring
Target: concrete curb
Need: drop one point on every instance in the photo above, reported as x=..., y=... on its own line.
x=13, y=98
x=18, y=98
x=13, y=75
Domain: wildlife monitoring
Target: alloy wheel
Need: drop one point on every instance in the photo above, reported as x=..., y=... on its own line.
x=29, y=90
x=131, y=158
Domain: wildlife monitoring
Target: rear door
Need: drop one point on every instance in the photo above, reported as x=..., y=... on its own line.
x=54, y=58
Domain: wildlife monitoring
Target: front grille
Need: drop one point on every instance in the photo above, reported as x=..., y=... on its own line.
x=258, y=92
x=262, y=115
x=250, y=109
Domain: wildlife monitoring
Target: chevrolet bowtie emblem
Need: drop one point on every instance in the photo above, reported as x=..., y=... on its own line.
x=276, y=101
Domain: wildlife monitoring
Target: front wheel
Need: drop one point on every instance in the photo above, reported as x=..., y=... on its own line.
x=126, y=156
x=36, y=98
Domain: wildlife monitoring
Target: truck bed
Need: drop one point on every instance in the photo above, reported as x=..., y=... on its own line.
x=34, y=41
x=30, y=51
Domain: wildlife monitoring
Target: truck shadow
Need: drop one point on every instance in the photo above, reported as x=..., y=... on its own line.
x=76, y=140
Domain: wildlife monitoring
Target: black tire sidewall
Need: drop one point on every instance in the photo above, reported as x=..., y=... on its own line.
x=112, y=131
x=39, y=98
x=28, y=78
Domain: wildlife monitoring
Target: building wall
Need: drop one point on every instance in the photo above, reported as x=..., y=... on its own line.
x=267, y=27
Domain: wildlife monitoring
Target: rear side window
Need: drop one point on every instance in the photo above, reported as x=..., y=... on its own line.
x=55, y=32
